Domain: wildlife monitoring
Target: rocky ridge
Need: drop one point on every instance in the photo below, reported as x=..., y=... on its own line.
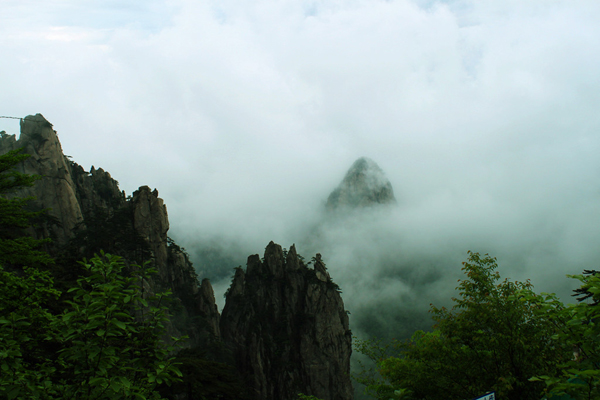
x=87, y=211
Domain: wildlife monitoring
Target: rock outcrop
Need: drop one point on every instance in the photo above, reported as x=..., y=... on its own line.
x=56, y=190
x=151, y=222
x=96, y=191
x=364, y=185
x=288, y=329
x=88, y=212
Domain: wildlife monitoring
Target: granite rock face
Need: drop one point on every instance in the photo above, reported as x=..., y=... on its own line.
x=288, y=329
x=151, y=221
x=364, y=185
x=56, y=190
x=85, y=204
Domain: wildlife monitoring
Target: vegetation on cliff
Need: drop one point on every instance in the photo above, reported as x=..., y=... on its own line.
x=105, y=328
x=83, y=213
x=106, y=340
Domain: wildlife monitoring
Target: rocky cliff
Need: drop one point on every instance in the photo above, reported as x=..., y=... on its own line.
x=87, y=213
x=288, y=328
x=56, y=190
x=284, y=327
x=364, y=185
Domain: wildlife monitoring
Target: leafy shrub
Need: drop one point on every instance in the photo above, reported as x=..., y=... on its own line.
x=107, y=343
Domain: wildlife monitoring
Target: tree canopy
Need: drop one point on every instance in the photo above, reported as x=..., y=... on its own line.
x=493, y=339
x=577, y=330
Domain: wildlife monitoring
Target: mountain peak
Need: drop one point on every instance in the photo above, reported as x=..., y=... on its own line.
x=364, y=185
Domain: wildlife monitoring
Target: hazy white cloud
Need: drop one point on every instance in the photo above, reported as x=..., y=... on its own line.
x=245, y=115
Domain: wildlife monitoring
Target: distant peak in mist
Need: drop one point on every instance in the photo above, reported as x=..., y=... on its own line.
x=364, y=185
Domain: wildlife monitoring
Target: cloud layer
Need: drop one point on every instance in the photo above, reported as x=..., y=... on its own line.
x=245, y=115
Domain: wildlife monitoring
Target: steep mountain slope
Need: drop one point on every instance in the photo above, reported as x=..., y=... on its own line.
x=364, y=185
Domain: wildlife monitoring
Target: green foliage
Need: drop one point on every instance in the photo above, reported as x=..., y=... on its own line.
x=16, y=247
x=205, y=378
x=578, y=332
x=24, y=333
x=305, y=397
x=493, y=338
x=106, y=344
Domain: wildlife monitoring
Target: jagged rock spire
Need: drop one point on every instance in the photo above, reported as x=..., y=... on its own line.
x=287, y=328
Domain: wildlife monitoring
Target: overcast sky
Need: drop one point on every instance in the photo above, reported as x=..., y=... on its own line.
x=484, y=114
